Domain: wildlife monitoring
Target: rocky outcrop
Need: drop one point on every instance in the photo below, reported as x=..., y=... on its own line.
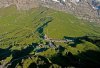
x=81, y=8
x=5, y=3
x=25, y=4
x=20, y=4
x=84, y=10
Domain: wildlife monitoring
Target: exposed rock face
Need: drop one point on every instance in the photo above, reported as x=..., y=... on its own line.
x=20, y=4
x=81, y=8
x=25, y=4
x=5, y=3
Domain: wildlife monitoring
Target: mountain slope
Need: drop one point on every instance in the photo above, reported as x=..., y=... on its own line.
x=22, y=42
x=82, y=9
x=68, y=25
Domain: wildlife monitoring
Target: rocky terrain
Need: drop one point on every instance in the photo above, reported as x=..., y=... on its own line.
x=82, y=9
x=20, y=4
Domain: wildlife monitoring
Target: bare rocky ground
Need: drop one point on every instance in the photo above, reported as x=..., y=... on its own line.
x=81, y=9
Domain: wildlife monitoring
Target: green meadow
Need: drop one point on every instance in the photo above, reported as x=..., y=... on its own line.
x=24, y=32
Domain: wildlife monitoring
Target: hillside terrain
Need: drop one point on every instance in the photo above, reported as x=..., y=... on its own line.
x=83, y=9
x=46, y=38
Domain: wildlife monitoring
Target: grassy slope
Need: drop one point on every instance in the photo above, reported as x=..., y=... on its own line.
x=68, y=25
x=16, y=26
x=63, y=24
x=21, y=24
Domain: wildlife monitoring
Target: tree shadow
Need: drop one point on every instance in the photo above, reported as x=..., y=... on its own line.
x=42, y=62
x=41, y=50
x=60, y=49
x=86, y=59
x=78, y=40
x=89, y=58
x=60, y=60
x=74, y=40
x=4, y=53
x=33, y=65
x=18, y=55
x=93, y=39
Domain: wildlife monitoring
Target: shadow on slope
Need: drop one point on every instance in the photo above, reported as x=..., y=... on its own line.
x=42, y=62
x=4, y=53
x=18, y=55
x=74, y=40
x=45, y=22
x=93, y=39
x=82, y=60
x=78, y=40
